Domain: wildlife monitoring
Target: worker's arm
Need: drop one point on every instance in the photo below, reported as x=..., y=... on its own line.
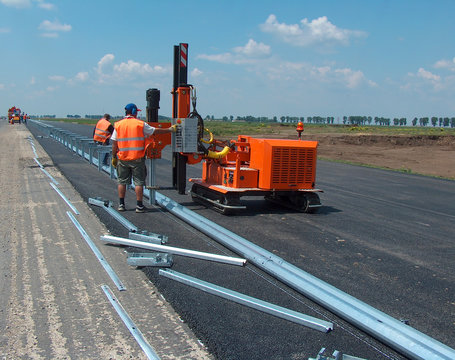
x=114, y=148
x=114, y=144
x=114, y=153
x=164, y=131
x=158, y=131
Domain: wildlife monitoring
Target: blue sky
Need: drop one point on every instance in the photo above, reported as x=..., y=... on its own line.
x=260, y=58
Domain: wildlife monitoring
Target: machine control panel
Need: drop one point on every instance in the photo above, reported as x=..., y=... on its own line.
x=186, y=136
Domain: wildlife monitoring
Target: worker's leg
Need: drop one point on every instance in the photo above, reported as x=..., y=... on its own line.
x=121, y=191
x=124, y=178
x=139, y=174
x=139, y=193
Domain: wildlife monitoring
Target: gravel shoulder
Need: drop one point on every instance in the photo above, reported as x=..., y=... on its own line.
x=52, y=303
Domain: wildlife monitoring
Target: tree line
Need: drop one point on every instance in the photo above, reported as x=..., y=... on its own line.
x=346, y=120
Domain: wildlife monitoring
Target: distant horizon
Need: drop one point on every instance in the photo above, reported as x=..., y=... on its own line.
x=337, y=121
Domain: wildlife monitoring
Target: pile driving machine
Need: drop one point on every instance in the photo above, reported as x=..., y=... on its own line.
x=283, y=171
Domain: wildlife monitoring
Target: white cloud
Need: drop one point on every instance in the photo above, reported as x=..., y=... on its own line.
x=252, y=48
x=196, y=72
x=52, y=29
x=133, y=67
x=285, y=71
x=307, y=73
x=427, y=75
x=20, y=4
x=445, y=64
x=47, y=25
x=317, y=31
x=106, y=59
x=250, y=53
x=4, y=30
x=108, y=71
x=57, y=78
x=16, y=3
x=81, y=76
x=351, y=78
x=46, y=6
x=32, y=81
x=224, y=58
x=423, y=80
x=2, y=86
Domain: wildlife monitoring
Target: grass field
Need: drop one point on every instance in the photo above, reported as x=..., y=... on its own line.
x=228, y=129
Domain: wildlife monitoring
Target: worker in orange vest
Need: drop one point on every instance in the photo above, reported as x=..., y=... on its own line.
x=128, y=153
x=102, y=132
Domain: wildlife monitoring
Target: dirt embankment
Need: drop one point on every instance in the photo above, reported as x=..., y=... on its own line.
x=424, y=154
x=432, y=155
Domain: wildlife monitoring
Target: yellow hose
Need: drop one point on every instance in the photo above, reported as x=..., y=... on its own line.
x=220, y=154
x=211, y=137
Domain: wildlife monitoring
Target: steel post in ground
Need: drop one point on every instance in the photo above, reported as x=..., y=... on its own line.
x=102, y=150
x=151, y=179
x=85, y=142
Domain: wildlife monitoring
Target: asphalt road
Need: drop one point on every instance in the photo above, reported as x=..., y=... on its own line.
x=383, y=237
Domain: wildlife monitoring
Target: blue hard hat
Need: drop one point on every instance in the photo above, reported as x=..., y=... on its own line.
x=131, y=109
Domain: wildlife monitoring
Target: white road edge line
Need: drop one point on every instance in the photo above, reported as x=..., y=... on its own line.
x=143, y=343
x=97, y=253
x=44, y=171
x=65, y=198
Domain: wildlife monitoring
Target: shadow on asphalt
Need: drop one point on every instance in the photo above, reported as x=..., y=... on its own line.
x=263, y=207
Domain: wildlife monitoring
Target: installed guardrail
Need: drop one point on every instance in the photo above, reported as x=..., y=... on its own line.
x=81, y=145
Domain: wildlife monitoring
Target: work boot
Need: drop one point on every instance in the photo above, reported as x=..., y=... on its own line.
x=141, y=209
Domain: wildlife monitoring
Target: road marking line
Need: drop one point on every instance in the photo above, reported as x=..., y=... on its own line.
x=98, y=254
x=143, y=343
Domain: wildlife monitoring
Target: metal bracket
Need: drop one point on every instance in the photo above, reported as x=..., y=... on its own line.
x=150, y=259
x=148, y=237
x=336, y=356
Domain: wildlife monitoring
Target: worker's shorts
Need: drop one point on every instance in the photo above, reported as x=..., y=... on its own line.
x=131, y=168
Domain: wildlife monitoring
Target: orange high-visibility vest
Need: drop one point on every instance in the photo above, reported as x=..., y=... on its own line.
x=130, y=138
x=101, y=131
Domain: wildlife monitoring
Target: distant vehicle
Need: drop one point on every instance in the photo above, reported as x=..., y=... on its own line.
x=14, y=115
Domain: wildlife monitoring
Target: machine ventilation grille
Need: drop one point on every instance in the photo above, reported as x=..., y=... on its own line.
x=292, y=166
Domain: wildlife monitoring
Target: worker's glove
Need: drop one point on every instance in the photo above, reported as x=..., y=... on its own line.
x=173, y=128
x=114, y=161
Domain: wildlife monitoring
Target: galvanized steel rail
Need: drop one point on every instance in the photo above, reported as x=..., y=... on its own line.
x=269, y=308
x=173, y=250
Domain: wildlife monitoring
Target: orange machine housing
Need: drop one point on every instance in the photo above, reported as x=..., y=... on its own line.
x=264, y=164
x=155, y=144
